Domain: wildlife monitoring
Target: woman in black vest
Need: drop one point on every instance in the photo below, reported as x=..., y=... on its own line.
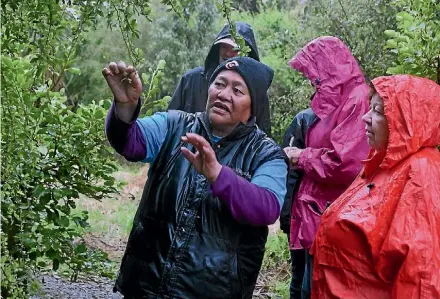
x=215, y=182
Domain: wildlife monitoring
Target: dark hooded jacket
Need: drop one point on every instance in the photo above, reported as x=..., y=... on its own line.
x=192, y=92
x=297, y=129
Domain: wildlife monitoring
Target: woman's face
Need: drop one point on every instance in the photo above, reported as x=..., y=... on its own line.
x=229, y=102
x=225, y=52
x=376, y=124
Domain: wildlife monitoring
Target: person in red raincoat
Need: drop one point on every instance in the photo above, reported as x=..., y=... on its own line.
x=381, y=238
x=335, y=142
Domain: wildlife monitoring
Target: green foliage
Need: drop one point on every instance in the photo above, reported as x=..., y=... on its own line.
x=416, y=42
x=225, y=7
x=252, y=6
x=53, y=149
x=281, y=289
x=182, y=43
x=277, y=260
x=277, y=250
x=360, y=24
x=151, y=93
x=278, y=37
x=15, y=279
x=50, y=156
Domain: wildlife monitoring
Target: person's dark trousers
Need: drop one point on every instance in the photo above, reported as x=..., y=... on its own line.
x=298, y=266
x=306, y=289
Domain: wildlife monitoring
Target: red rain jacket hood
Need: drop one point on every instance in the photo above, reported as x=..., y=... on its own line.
x=381, y=238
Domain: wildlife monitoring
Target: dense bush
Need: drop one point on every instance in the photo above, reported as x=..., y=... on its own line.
x=416, y=41
x=360, y=24
x=279, y=36
x=50, y=156
x=182, y=43
x=53, y=149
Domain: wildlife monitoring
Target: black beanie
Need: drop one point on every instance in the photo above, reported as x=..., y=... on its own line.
x=256, y=75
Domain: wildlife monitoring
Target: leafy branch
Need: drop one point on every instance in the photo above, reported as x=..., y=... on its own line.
x=225, y=6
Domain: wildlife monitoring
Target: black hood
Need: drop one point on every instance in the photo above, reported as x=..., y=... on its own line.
x=243, y=29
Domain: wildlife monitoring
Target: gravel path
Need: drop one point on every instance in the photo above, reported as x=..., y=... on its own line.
x=54, y=287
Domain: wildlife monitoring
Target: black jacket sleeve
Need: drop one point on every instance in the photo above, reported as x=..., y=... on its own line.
x=177, y=101
x=298, y=130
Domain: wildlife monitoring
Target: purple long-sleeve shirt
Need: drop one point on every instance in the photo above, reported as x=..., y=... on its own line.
x=248, y=203
x=126, y=138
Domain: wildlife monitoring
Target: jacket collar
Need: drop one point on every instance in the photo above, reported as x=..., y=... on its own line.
x=239, y=131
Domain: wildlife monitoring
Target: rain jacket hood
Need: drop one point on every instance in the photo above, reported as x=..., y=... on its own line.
x=243, y=29
x=412, y=109
x=332, y=69
x=381, y=238
x=336, y=142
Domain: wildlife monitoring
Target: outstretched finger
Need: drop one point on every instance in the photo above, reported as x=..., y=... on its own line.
x=130, y=69
x=191, y=140
x=106, y=72
x=197, y=140
x=208, y=154
x=189, y=155
x=122, y=67
x=135, y=80
x=113, y=67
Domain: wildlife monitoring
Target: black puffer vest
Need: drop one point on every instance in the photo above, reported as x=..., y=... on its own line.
x=184, y=242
